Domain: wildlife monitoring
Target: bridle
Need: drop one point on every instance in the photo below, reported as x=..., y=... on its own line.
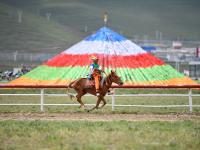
x=108, y=79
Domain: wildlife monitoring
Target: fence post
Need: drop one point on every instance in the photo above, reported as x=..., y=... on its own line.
x=42, y=100
x=190, y=100
x=113, y=100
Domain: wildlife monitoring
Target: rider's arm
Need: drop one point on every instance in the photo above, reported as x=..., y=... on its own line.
x=100, y=68
x=91, y=69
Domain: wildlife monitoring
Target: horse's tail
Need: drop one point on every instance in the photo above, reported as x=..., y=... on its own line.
x=70, y=94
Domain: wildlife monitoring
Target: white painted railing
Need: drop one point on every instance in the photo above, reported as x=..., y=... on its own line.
x=113, y=105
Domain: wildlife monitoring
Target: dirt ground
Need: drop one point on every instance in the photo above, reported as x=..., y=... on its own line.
x=95, y=117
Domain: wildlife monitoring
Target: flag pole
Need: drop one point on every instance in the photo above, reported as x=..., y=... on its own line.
x=105, y=18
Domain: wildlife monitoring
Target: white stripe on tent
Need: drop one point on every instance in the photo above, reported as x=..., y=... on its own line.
x=103, y=47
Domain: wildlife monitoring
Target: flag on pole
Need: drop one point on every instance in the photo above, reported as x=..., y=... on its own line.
x=105, y=18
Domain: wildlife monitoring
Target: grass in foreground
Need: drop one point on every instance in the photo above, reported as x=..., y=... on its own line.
x=153, y=135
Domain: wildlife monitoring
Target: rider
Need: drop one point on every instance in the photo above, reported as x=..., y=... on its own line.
x=95, y=73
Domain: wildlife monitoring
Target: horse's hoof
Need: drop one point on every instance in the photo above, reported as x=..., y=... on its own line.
x=82, y=107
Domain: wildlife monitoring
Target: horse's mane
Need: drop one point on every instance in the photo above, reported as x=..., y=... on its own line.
x=107, y=78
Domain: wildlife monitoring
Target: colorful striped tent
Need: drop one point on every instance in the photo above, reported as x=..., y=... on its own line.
x=132, y=63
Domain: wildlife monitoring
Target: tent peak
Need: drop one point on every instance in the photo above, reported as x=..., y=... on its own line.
x=106, y=34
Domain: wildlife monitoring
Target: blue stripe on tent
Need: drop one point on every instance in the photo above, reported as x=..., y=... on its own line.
x=105, y=34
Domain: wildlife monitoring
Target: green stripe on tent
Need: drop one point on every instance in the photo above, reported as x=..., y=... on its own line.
x=155, y=73
x=52, y=73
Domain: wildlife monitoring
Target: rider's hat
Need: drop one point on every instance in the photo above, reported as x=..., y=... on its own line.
x=93, y=57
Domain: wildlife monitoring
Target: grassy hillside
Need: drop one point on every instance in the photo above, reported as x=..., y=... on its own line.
x=174, y=18
x=34, y=33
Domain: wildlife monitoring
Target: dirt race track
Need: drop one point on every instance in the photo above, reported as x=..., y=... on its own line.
x=95, y=117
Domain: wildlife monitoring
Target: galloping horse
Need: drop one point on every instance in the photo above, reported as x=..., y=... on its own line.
x=82, y=86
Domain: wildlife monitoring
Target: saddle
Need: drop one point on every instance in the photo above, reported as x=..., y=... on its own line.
x=90, y=83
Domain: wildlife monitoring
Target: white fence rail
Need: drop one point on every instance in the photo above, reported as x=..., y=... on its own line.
x=113, y=105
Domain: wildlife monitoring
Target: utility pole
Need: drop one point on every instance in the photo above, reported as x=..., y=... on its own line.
x=15, y=55
x=48, y=16
x=19, y=14
x=86, y=28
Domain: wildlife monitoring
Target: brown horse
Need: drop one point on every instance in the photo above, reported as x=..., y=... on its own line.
x=83, y=86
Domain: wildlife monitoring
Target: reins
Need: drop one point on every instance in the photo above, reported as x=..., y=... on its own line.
x=108, y=80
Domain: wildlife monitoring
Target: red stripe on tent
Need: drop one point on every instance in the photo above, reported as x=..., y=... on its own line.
x=132, y=61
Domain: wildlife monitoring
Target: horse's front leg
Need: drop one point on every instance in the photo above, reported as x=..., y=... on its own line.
x=104, y=103
x=97, y=104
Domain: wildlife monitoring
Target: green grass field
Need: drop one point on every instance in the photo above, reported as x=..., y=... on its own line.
x=74, y=135
x=35, y=134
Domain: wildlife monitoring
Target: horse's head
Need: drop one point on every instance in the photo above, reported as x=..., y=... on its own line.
x=115, y=78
